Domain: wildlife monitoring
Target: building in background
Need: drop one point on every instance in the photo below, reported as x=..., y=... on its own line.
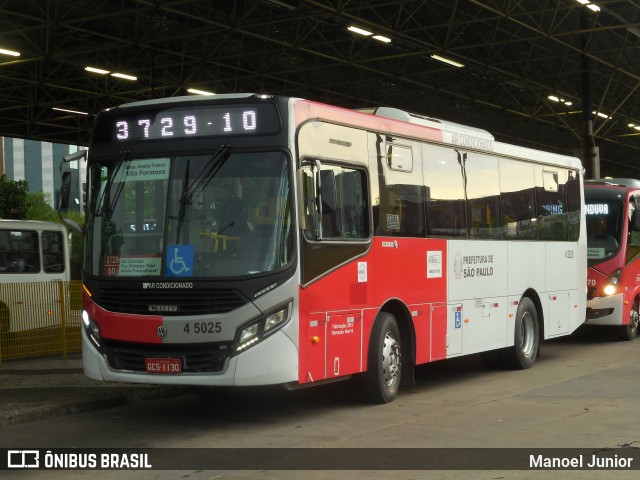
x=39, y=164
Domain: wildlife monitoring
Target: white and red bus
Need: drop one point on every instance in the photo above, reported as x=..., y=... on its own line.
x=613, y=254
x=250, y=240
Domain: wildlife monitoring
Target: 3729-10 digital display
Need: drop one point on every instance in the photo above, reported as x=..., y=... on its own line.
x=189, y=122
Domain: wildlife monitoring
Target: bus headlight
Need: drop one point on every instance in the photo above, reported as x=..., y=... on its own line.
x=274, y=320
x=249, y=335
x=614, y=279
x=92, y=329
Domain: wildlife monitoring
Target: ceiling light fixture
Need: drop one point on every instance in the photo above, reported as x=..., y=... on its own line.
x=359, y=31
x=124, y=76
x=589, y=5
x=69, y=111
x=97, y=70
x=447, y=60
x=12, y=53
x=382, y=38
x=553, y=98
x=199, y=92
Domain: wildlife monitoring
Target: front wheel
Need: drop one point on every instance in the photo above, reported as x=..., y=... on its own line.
x=629, y=332
x=382, y=380
x=526, y=337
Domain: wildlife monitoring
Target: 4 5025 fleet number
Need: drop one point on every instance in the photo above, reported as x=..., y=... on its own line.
x=202, y=327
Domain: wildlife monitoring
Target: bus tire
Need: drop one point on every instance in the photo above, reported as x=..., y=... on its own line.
x=381, y=382
x=526, y=337
x=630, y=332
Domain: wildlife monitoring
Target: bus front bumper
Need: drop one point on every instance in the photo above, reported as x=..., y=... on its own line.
x=605, y=310
x=272, y=361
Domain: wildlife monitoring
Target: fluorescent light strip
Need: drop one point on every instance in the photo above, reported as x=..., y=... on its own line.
x=124, y=76
x=553, y=98
x=601, y=115
x=199, y=92
x=69, y=111
x=589, y=5
x=360, y=31
x=9, y=52
x=382, y=38
x=447, y=60
x=97, y=70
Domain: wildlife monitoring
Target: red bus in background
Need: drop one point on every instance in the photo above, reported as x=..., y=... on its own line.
x=613, y=254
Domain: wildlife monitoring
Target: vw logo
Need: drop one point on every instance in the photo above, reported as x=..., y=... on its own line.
x=161, y=332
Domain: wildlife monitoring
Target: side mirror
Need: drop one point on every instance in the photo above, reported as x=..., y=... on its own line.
x=65, y=191
x=71, y=225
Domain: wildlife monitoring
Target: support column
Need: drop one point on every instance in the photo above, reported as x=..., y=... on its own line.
x=591, y=154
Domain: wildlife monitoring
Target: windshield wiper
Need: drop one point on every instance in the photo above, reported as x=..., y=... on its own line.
x=206, y=174
x=106, y=193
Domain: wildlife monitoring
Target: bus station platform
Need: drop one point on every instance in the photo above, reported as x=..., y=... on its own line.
x=38, y=388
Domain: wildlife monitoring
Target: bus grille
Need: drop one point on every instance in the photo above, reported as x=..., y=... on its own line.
x=159, y=302
x=199, y=359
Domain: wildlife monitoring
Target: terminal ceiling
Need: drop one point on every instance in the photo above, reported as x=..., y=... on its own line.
x=516, y=54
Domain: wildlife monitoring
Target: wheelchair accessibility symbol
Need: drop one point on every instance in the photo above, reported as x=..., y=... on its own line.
x=458, y=323
x=179, y=260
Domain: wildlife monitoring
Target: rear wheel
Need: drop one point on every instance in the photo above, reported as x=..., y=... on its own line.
x=527, y=337
x=629, y=332
x=382, y=380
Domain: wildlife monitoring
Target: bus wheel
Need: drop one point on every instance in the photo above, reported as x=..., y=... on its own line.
x=527, y=337
x=382, y=380
x=629, y=332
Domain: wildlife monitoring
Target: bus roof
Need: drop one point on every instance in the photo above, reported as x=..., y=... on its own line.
x=393, y=121
x=6, y=223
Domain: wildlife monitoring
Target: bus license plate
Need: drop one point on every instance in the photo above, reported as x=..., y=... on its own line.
x=163, y=365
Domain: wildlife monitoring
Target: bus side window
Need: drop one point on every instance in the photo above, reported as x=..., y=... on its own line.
x=52, y=252
x=483, y=197
x=444, y=193
x=19, y=251
x=517, y=185
x=551, y=204
x=348, y=219
x=634, y=225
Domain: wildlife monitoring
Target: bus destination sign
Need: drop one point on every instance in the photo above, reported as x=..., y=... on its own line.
x=189, y=122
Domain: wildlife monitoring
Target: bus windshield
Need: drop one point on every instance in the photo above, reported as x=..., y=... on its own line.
x=222, y=214
x=604, y=229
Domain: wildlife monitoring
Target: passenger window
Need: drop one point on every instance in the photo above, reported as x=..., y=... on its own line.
x=551, y=206
x=52, y=252
x=444, y=193
x=401, y=211
x=343, y=216
x=517, y=185
x=483, y=196
x=19, y=251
